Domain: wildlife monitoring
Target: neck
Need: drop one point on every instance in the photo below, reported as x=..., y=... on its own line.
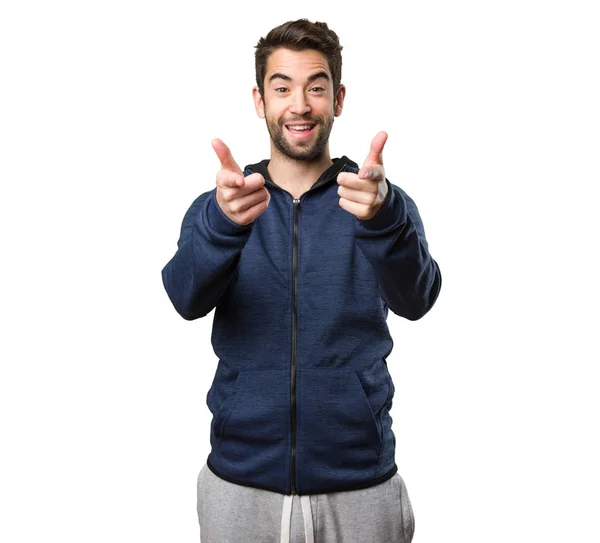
x=297, y=174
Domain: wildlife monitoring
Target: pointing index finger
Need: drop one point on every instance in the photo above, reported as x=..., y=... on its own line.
x=373, y=164
x=376, y=149
x=224, y=154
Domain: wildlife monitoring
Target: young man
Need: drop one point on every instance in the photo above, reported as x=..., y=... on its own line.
x=302, y=255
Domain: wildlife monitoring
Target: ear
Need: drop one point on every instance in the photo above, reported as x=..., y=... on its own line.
x=259, y=105
x=339, y=100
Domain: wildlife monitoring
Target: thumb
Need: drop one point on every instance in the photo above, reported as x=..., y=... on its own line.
x=224, y=154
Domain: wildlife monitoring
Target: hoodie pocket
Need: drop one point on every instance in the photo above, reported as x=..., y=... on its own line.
x=221, y=394
x=224, y=412
x=338, y=430
x=256, y=417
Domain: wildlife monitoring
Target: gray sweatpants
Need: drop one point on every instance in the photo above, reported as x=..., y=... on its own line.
x=230, y=513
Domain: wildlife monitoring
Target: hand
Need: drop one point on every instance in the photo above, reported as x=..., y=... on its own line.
x=364, y=193
x=241, y=198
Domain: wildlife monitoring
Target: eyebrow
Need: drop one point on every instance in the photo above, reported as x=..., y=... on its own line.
x=311, y=78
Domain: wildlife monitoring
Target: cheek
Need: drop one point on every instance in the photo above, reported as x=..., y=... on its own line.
x=274, y=114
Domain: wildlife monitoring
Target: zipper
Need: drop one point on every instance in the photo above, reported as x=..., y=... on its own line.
x=296, y=202
x=294, y=333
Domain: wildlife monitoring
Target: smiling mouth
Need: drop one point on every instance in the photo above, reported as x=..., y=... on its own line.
x=302, y=131
x=308, y=127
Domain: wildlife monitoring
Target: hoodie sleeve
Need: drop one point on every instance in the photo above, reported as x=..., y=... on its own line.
x=207, y=254
x=393, y=241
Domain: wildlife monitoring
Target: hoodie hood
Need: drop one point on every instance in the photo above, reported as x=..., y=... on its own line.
x=330, y=174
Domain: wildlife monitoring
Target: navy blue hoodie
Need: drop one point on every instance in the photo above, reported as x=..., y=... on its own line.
x=302, y=394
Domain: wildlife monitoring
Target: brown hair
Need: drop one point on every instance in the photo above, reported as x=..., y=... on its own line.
x=300, y=35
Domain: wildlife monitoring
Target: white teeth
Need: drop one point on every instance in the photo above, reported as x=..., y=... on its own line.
x=305, y=127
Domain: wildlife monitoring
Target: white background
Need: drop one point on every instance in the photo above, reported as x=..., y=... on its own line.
x=107, y=111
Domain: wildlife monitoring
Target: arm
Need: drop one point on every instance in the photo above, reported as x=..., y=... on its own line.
x=394, y=242
x=208, y=251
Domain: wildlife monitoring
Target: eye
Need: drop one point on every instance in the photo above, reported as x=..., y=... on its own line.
x=280, y=89
x=319, y=89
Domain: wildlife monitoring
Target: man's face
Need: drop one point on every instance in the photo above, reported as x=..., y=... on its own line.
x=299, y=91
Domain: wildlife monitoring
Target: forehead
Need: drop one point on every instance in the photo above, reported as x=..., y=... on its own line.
x=296, y=64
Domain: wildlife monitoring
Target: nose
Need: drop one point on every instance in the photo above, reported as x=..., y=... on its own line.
x=300, y=104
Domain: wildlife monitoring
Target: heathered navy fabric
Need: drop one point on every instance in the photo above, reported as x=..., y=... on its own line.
x=349, y=272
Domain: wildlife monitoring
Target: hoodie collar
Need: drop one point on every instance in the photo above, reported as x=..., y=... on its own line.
x=330, y=173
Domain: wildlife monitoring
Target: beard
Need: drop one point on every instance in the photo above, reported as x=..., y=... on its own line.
x=302, y=150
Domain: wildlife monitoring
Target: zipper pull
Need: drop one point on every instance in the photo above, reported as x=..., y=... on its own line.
x=296, y=200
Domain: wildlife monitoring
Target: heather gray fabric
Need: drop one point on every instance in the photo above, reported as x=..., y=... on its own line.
x=230, y=513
